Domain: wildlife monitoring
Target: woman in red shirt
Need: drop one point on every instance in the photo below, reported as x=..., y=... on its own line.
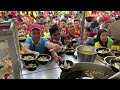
x=72, y=32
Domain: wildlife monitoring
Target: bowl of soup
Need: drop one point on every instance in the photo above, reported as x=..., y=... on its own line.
x=66, y=65
x=43, y=59
x=103, y=51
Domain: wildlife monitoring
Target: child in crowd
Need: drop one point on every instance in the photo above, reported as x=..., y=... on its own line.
x=55, y=34
x=22, y=33
x=57, y=38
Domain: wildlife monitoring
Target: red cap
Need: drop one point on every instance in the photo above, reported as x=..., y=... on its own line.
x=37, y=26
x=106, y=19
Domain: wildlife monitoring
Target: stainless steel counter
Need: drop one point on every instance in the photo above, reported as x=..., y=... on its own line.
x=49, y=71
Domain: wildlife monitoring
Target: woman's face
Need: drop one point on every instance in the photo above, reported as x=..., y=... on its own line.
x=35, y=34
x=72, y=29
x=104, y=36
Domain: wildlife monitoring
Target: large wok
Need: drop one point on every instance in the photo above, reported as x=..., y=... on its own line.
x=79, y=69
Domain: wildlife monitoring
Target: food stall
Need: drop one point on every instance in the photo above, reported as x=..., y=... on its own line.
x=52, y=70
x=10, y=63
x=9, y=52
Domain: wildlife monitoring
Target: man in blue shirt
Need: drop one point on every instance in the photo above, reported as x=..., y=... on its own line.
x=36, y=44
x=39, y=47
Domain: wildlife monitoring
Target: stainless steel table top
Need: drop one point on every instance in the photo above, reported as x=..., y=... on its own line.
x=49, y=71
x=50, y=65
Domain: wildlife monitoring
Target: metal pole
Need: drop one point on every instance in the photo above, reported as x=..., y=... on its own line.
x=82, y=27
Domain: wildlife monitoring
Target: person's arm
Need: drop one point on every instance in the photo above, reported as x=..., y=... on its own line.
x=53, y=48
x=56, y=47
x=77, y=43
x=91, y=41
x=27, y=50
x=26, y=47
x=55, y=56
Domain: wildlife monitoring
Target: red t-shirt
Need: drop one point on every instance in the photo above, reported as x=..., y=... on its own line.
x=51, y=40
x=4, y=13
x=92, y=34
x=67, y=30
x=55, y=42
x=28, y=27
x=13, y=13
x=58, y=24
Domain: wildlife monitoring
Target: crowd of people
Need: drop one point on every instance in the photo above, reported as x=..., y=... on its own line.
x=48, y=33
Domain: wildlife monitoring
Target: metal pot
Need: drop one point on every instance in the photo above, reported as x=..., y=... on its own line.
x=86, y=53
x=79, y=70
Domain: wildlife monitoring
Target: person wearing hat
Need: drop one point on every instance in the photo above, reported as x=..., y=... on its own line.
x=37, y=45
x=105, y=22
